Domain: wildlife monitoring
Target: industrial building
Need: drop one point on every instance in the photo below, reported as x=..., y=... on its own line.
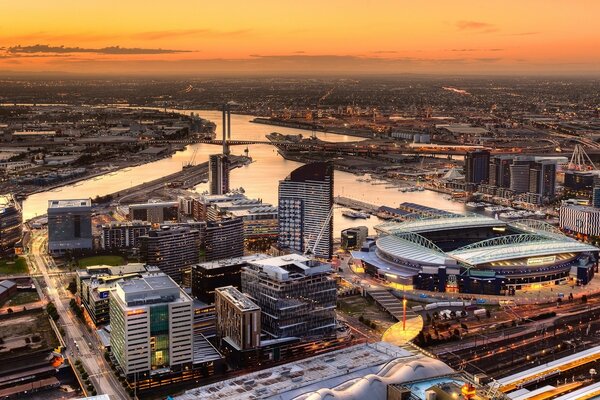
x=305, y=204
x=297, y=295
x=238, y=319
x=475, y=254
x=11, y=224
x=172, y=249
x=69, y=225
x=155, y=211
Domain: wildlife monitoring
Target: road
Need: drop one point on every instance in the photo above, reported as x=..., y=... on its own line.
x=87, y=348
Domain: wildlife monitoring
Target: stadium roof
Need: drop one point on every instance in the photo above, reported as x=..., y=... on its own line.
x=482, y=255
x=439, y=224
x=419, y=252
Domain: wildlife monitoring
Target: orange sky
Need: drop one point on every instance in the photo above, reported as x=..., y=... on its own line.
x=332, y=36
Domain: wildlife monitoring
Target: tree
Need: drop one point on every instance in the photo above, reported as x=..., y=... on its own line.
x=488, y=313
x=10, y=310
x=72, y=287
x=584, y=298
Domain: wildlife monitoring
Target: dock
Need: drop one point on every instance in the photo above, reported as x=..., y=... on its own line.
x=355, y=204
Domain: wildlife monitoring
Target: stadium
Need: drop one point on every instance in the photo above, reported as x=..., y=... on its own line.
x=475, y=254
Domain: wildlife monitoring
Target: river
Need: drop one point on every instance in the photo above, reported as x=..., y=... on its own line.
x=259, y=179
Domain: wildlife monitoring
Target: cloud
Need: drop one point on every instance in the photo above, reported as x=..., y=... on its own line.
x=170, y=34
x=523, y=33
x=472, y=50
x=476, y=26
x=43, y=48
x=385, y=52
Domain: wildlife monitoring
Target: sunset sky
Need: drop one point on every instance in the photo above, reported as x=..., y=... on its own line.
x=308, y=36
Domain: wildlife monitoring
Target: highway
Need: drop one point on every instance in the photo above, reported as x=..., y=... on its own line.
x=87, y=349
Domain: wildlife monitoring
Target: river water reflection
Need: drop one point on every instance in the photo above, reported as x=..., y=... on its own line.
x=259, y=179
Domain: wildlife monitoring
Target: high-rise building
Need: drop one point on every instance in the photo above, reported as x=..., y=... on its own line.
x=297, y=296
x=499, y=174
x=123, y=235
x=218, y=173
x=151, y=326
x=305, y=203
x=542, y=178
x=477, y=166
x=155, y=211
x=11, y=224
x=172, y=249
x=69, y=225
x=519, y=175
x=238, y=319
x=224, y=239
x=208, y=276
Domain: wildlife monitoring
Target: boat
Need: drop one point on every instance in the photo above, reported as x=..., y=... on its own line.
x=472, y=205
x=494, y=209
x=356, y=215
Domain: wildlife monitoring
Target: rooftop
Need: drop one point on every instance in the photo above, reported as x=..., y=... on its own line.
x=150, y=288
x=75, y=203
x=232, y=261
x=237, y=298
x=342, y=371
x=438, y=224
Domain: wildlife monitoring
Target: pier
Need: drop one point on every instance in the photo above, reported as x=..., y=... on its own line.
x=355, y=204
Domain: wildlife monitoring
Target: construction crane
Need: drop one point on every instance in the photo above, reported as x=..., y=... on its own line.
x=192, y=160
x=310, y=250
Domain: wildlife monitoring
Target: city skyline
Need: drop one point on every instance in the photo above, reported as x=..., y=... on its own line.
x=193, y=38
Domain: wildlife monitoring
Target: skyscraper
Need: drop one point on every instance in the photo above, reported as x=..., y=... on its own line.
x=305, y=203
x=224, y=239
x=218, y=173
x=69, y=225
x=477, y=166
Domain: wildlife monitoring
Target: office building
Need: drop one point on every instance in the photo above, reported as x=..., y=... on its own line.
x=305, y=204
x=155, y=211
x=353, y=238
x=297, y=296
x=69, y=225
x=11, y=224
x=580, y=220
x=95, y=283
x=520, y=176
x=208, y=276
x=224, y=239
x=477, y=166
x=542, y=178
x=123, y=235
x=499, y=171
x=238, y=319
x=218, y=174
x=151, y=326
x=171, y=249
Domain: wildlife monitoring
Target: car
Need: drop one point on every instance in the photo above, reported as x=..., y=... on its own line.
x=423, y=295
